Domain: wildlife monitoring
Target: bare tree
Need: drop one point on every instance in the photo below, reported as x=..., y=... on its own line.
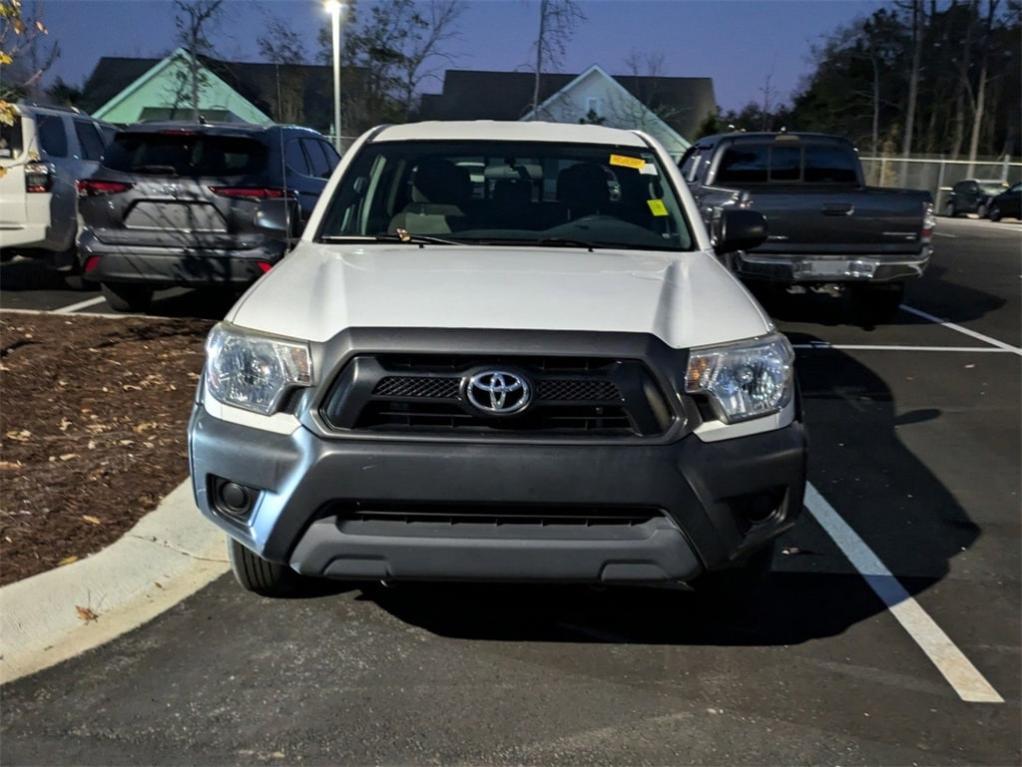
x=979, y=101
x=281, y=46
x=644, y=72
x=918, y=22
x=557, y=22
x=194, y=19
x=25, y=54
x=426, y=47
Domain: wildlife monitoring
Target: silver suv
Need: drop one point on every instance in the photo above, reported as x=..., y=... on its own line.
x=42, y=154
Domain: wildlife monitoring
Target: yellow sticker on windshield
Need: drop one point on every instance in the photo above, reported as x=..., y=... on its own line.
x=657, y=207
x=636, y=163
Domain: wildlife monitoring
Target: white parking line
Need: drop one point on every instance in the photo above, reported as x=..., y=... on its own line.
x=80, y=305
x=958, y=670
x=960, y=329
x=945, y=234
x=897, y=348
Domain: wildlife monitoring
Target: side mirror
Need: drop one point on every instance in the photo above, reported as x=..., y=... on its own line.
x=739, y=229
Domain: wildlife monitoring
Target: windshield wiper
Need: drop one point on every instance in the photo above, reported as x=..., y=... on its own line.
x=412, y=239
x=567, y=242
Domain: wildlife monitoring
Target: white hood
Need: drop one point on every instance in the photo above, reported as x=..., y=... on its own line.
x=685, y=299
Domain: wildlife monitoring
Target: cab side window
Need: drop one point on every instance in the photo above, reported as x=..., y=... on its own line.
x=295, y=157
x=52, y=138
x=317, y=157
x=89, y=139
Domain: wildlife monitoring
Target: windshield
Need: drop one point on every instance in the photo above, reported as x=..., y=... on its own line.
x=506, y=193
x=185, y=154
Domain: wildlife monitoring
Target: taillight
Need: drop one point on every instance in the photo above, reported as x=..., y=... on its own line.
x=248, y=192
x=929, y=221
x=38, y=177
x=264, y=266
x=91, y=264
x=90, y=187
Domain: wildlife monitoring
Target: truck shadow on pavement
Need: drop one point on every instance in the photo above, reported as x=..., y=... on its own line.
x=857, y=462
x=958, y=303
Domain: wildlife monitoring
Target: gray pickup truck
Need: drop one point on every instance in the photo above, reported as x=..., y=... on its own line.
x=826, y=227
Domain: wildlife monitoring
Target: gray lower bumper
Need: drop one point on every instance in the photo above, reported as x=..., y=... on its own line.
x=653, y=551
x=828, y=268
x=708, y=502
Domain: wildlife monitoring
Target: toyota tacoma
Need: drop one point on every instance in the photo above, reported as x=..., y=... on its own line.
x=501, y=352
x=827, y=228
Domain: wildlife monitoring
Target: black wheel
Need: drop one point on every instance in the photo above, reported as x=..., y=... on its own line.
x=952, y=211
x=875, y=304
x=995, y=213
x=127, y=298
x=259, y=576
x=743, y=579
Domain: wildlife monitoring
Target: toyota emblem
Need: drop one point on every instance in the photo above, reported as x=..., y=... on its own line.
x=499, y=392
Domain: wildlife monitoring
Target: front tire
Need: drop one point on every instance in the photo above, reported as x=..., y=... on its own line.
x=995, y=213
x=127, y=298
x=255, y=574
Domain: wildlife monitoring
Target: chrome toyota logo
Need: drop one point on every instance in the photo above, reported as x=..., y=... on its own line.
x=498, y=392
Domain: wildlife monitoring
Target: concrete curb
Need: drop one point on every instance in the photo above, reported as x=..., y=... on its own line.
x=168, y=555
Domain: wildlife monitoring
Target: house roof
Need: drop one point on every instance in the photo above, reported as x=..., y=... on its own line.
x=256, y=82
x=478, y=94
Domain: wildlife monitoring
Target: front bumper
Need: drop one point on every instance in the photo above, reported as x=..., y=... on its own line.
x=829, y=268
x=710, y=503
x=169, y=266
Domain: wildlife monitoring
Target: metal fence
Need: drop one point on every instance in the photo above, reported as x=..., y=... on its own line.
x=936, y=174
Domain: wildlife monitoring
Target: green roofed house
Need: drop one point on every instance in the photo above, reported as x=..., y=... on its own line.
x=126, y=90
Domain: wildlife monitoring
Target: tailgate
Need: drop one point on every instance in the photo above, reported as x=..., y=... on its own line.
x=840, y=220
x=13, y=202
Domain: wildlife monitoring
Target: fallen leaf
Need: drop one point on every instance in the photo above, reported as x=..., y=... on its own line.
x=64, y=423
x=10, y=465
x=87, y=614
x=19, y=436
x=91, y=519
x=145, y=426
x=68, y=456
x=67, y=560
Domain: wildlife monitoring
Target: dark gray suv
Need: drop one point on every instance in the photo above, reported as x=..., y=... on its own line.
x=196, y=205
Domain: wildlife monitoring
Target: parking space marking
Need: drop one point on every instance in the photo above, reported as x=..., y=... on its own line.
x=958, y=670
x=960, y=329
x=80, y=305
x=899, y=348
x=945, y=234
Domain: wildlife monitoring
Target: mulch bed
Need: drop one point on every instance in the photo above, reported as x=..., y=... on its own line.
x=93, y=414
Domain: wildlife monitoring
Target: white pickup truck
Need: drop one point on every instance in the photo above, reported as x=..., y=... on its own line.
x=505, y=352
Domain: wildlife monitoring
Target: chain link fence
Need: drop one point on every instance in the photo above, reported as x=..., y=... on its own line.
x=936, y=174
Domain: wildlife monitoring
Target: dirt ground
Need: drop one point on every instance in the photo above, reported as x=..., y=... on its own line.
x=92, y=417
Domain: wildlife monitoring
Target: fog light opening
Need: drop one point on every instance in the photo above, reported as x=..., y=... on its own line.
x=232, y=499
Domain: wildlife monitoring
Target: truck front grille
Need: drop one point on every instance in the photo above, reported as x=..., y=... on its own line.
x=572, y=397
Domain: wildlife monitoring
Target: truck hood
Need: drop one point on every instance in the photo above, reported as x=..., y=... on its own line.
x=685, y=299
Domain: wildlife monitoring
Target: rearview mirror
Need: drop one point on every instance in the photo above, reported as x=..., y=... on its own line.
x=739, y=229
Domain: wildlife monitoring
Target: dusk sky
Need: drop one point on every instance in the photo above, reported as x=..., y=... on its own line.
x=736, y=42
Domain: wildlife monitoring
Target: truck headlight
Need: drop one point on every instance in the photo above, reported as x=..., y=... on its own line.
x=253, y=371
x=744, y=380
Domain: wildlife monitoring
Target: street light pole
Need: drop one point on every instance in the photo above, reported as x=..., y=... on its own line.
x=336, y=8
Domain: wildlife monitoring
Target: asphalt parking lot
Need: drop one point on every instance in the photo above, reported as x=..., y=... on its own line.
x=888, y=632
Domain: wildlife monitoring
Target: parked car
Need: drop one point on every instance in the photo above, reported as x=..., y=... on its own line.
x=42, y=154
x=1007, y=204
x=973, y=195
x=196, y=204
x=826, y=226
x=529, y=382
